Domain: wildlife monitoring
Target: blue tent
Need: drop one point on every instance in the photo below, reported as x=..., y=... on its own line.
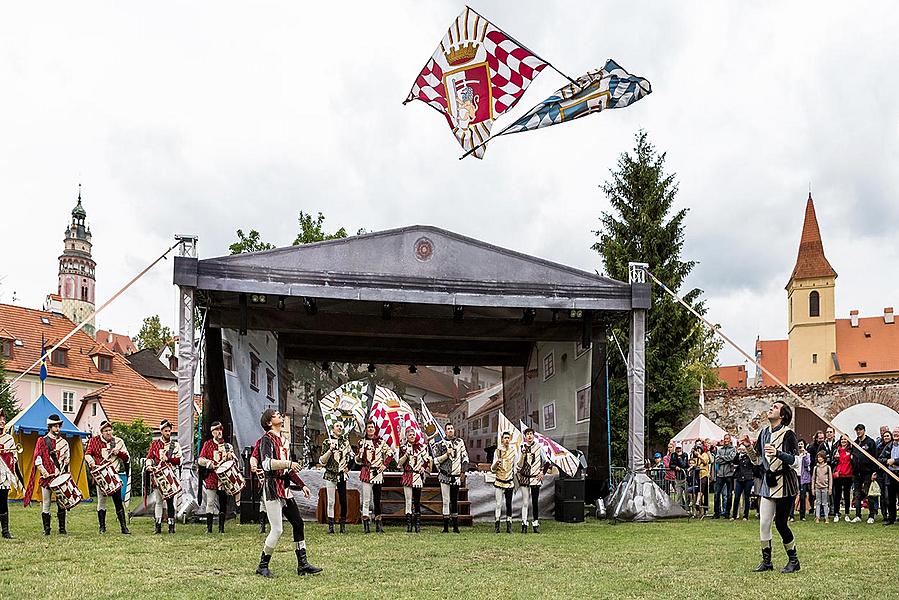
x=34, y=420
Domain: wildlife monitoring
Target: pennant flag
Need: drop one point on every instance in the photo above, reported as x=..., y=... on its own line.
x=701, y=396
x=556, y=453
x=392, y=416
x=609, y=87
x=477, y=73
x=503, y=425
x=43, y=374
x=432, y=428
x=348, y=404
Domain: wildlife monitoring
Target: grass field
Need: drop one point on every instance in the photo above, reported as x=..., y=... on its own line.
x=674, y=559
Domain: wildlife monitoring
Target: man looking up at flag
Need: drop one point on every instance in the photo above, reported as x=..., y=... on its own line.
x=532, y=464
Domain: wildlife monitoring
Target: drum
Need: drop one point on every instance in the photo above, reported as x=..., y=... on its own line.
x=67, y=493
x=107, y=480
x=231, y=480
x=165, y=481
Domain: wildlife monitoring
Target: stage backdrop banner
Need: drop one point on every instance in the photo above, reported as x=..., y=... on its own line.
x=259, y=350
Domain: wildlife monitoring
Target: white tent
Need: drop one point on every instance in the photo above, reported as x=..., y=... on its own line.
x=700, y=428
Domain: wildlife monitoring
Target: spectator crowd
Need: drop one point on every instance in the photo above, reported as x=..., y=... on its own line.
x=836, y=479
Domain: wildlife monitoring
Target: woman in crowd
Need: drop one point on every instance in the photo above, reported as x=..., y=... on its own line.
x=842, y=477
x=744, y=476
x=889, y=457
x=703, y=460
x=805, y=480
x=822, y=481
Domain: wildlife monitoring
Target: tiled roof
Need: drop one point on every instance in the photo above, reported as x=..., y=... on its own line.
x=25, y=324
x=492, y=404
x=870, y=348
x=811, y=262
x=426, y=379
x=116, y=342
x=733, y=375
x=775, y=358
x=148, y=364
x=124, y=403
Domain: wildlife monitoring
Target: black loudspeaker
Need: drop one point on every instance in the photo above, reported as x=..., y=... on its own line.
x=570, y=511
x=570, y=489
x=250, y=495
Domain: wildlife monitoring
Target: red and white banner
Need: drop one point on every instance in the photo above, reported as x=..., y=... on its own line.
x=392, y=416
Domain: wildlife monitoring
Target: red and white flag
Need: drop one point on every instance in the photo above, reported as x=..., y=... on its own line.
x=392, y=416
x=557, y=454
x=477, y=73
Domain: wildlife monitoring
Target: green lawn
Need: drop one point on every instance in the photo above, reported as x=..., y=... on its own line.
x=681, y=559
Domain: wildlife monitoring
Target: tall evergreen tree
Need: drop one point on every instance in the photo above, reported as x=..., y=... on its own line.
x=643, y=226
x=7, y=397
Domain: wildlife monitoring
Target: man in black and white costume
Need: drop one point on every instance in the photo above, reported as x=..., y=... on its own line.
x=452, y=461
x=775, y=451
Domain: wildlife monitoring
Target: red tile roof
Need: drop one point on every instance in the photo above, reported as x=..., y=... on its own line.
x=116, y=342
x=774, y=357
x=733, y=375
x=869, y=349
x=811, y=262
x=124, y=404
x=493, y=404
x=426, y=379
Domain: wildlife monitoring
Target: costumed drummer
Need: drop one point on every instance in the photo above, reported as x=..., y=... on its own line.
x=452, y=461
x=214, y=452
x=10, y=476
x=279, y=473
x=164, y=453
x=107, y=449
x=415, y=460
x=775, y=451
x=336, y=459
x=51, y=460
x=374, y=456
x=503, y=468
x=532, y=465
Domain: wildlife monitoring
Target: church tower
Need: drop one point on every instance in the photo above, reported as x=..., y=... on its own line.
x=810, y=299
x=76, y=270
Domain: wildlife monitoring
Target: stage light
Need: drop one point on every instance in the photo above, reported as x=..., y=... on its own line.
x=456, y=370
x=529, y=315
x=386, y=309
x=575, y=313
x=413, y=369
x=258, y=299
x=326, y=366
x=281, y=304
x=458, y=313
x=310, y=305
x=371, y=368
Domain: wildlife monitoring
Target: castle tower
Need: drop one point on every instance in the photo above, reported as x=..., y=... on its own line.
x=77, y=270
x=810, y=299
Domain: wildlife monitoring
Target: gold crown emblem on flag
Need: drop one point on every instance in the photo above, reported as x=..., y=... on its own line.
x=461, y=54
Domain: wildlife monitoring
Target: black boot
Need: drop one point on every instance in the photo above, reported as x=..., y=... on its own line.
x=262, y=569
x=535, y=527
x=417, y=523
x=496, y=527
x=455, y=524
x=122, y=525
x=524, y=527
x=378, y=527
x=408, y=522
x=221, y=522
x=209, y=523
x=793, y=563
x=330, y=525
x=765, y=565
x=45, y=519
x=101, y=518
x=445, y=524
x=171, y=525
x=61, y=516
x=366, y=526
x=303, y=566
x=508, y=525
x=4, y=526
x=262, y=524
x=342, y=526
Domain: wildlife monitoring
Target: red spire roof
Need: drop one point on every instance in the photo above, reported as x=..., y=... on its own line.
x=811, y=262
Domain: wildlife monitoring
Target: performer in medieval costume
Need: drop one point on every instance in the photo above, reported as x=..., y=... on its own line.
x=532, y=465
x=503, y=468
x=164, y=453
x=337, y=459
x=51, y=459
x=213, y=454
x=416, y=463
x=452, y=461
x=374, y=456
x=10, y=476
x=775, y=451
x=279, y=473
x=108, y=449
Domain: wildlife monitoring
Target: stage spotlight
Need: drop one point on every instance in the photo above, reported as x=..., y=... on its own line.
x=386, y=309
x=456, y=370
x=371, y=368
x=310, y=305
x=413, y=369
x=326, y=366
x=529, y=315
x=281, y=304
x=258, y=299
x=575, y=313
x=458, y=313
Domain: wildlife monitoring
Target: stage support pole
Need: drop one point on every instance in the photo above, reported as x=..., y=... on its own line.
x=636, y=380
x=187, y=365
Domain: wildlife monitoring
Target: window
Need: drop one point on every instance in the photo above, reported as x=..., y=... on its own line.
x=84, y=293
x=7, y=348
x=814, y=304
x=549, y=416
x=104, y=363
x=45, y=320
x=270, y=384
x=254, y=372
x=549, y=367
x=478, y=444
x=173, y=363
x=93, y=409
x=226, y=352
x=582, y=404
x=814, y=359
x=58, y=357
x=68, y=402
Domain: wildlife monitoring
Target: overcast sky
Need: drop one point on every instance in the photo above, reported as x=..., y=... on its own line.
x=205, y=117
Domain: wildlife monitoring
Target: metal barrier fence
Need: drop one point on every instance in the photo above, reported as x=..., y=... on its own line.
x=657, y=475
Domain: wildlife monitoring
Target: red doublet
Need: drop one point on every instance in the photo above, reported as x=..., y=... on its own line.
x=213, y=452
x=44, y=447
x=271, y=446
x=158, y=455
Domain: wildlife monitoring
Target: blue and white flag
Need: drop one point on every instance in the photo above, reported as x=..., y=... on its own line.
x=431, y=427
x=609, y=87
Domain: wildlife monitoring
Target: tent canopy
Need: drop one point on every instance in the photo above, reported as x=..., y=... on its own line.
x=700, y=428
x=34, y=420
